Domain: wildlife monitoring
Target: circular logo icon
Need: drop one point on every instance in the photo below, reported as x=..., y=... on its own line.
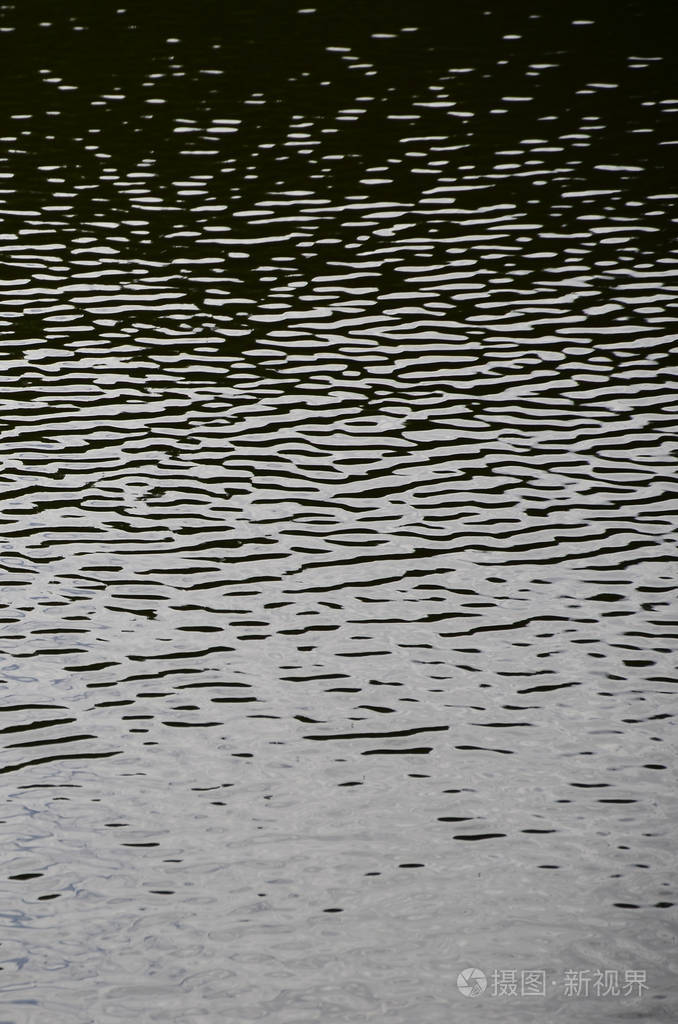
x=472, y=982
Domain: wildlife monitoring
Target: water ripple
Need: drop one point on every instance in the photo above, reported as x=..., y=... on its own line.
x=338, y=419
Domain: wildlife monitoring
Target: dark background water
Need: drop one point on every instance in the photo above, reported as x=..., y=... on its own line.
x=338, y=526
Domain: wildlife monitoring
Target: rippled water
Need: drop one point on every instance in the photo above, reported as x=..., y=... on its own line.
x=338, y=532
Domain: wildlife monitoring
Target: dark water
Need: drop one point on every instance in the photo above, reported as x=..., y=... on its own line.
x=338, y=523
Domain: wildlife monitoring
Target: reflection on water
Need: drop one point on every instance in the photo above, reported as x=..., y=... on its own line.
x=338, y=532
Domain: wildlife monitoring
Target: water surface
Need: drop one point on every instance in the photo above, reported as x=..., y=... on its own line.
x=338, y=526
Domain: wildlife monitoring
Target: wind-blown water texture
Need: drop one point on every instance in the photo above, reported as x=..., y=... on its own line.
x=338, y=535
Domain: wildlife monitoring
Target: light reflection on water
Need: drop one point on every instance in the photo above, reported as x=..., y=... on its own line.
x=338, y=433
